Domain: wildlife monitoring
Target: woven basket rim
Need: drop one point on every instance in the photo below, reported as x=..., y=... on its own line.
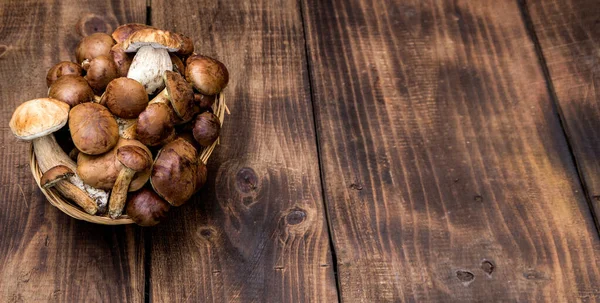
x=74, y=211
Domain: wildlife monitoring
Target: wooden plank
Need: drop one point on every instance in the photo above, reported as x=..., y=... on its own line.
x=569, y=35
x=257, y=232
x=446, y=173
x=45, y=255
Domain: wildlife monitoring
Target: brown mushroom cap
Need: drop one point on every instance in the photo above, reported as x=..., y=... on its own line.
x=178, y=65
x=99, y=72
x=62, y=69
x=38, y=117
x=204, y=102
x=134, y=157
x=94, y=45
x=152, y=37
x=55, y=174
x=124, y=97
x=181, y=95
x=206, y=128
x=122, y=59
x=93, y=128
x=155, y=124
x=187, y=45
x=124, y=31
x=174, y=172
x=146, y=208
x=207, y=75
x=101, y=171
x=71, y=89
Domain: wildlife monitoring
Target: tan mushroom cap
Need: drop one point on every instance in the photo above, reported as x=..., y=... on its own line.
x=93, y=128
x=209, y=76
x=62, y=69
x=134, y=157
x=123, y=32
x=94, y=45
x=101, y=171
x=181, y=95
x=99, y=72
x=71, y=89
x=152, y=37
x=174, y=172
x=124, y=97
x=122, y=59
x=155, y=124
x=38, y=117
x=55, y=174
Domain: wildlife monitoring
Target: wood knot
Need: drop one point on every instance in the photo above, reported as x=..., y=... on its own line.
x=92, y=23
x=3, y=50
x=246, y=180
x=478, y=198
x=487, y=267
x=295, y=217
x=466, y=277
x=207, y=232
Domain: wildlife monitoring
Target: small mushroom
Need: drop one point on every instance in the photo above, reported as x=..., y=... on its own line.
x=146, y=208
x=123, y=32
x=209, y=76
x=62, y=69
x=99, y=72
x=175, y=172
x=124, y=97
x=178, y=65
x=152, y=57
x=36, y=120
x=93, y=129
x=204, y=102
x=94, y=45
x=71, y=89
x=155, y=124
x=122, y=59
x=58, y=177
x=101, y=171
x=206, y=128
x=134, y=159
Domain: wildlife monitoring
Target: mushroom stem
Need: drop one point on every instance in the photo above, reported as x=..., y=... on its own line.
x=74, y=193
x=162, y=97
x=49, y=154
x=119, y=192
x=148, y=67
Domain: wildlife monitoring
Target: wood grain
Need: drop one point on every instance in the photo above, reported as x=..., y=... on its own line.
x=446, y=173
x=45, y=255
x=569, y=35
x=257, y=232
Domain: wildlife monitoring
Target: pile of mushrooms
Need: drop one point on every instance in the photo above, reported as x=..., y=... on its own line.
x=138, y=107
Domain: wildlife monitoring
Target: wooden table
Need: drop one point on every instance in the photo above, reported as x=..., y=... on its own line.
x=376, y=151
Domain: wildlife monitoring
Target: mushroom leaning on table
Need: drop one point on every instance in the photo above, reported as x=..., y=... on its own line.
x=36, y=120
x=57, y=177
x=152, y=57
x=134, y=159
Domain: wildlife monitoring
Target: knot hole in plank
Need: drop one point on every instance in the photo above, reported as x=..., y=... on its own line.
x=241, y=184
x=297, y=220
x=208, y=233
x=91, y=23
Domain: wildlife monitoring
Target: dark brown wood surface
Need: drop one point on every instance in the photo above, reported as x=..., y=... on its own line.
x=446, y=173
x=45, y=256
x=569, y=35
x=257, y=232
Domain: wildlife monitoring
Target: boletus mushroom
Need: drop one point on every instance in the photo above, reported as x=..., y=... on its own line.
x=209, y=76
x=71, y=89
x=146, y=208
x=36, y=120
x=175, y=172
x=99, y=72
x=93, y=128
x=58, y=178
x=123, y=32
x=133, y=159
x=94, y=45
x=206, y=128
x=62, y=69
x=101, y=171
x=203, y=101
x=125, y=98
x=152, y=57
x=122, y=59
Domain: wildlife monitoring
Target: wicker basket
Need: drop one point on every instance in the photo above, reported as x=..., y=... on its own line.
x=219, y=108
